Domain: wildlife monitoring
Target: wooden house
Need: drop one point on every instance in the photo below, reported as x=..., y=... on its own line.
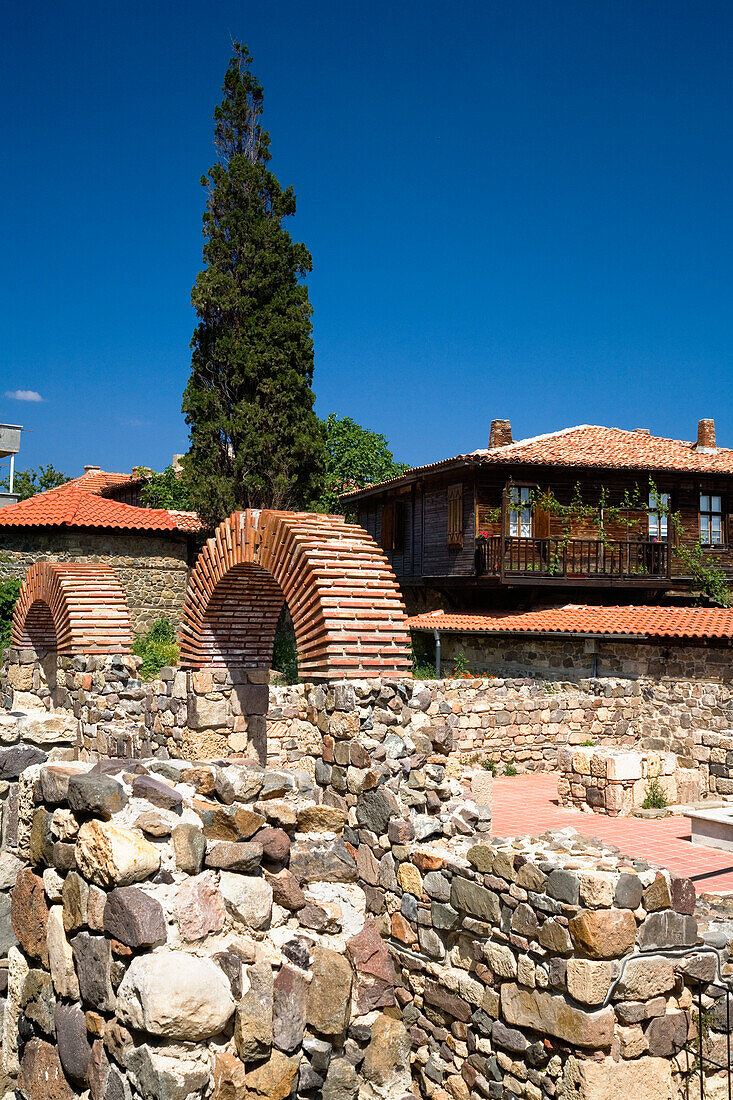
x=619, y=514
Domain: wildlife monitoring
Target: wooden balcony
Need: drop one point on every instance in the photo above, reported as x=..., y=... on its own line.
x=575, y=561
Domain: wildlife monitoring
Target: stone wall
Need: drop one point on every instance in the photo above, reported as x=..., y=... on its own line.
x=614, y=782
x=201, y=931
x=152, y=568
x=531, y=967
x=216, y=713
x=189, y=931
x=211, y=713
x=519, y=721
x=579, y=659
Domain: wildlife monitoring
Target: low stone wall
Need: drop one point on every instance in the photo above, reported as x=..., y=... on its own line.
x=412, y=764
x=189, y=930
x=531, y=968
x=614, y=782
x=516, y=721
x=578, y=659
x=217, y=713
x=212, y=713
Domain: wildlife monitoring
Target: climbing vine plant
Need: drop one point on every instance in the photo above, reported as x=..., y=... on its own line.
x=708, y=579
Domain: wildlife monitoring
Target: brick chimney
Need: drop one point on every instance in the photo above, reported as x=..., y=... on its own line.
x=705, y=436
x=92, y=469
x=500, y=434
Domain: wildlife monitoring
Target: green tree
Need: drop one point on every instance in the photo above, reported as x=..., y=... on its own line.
x=255, y=439
x=9, y=591
x=27, y=483
x=355, y=457
x=166, y=490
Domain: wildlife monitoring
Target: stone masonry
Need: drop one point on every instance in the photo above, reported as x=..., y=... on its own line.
x=614, y=782
x=578, y=659
x=153, y=569
x=217, y=712
x=192, y=930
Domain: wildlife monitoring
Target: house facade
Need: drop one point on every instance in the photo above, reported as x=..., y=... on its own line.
x=599, y=514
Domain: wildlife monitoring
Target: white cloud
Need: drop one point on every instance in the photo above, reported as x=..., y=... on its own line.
x=23, y=395
x=133, y=422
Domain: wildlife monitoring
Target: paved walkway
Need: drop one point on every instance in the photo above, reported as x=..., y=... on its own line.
x=528, y=804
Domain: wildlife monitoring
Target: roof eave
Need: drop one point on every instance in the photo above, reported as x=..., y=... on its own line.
x=494, y=459
x=576, y=634
x=410, y=476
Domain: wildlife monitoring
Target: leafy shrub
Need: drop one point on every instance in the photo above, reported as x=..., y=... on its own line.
x=510, y=770
x=424, y=672
x=655, y=799
x=165, y=490
x=460, y=667
x=489, y=765
x=285, y=649
x=9, y=590
x=157, y=648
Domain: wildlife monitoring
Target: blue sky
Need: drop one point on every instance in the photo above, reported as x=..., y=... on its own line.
x=514, y=209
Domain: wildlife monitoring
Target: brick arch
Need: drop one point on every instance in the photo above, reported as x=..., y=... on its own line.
x=342, y=595
x=73, y=608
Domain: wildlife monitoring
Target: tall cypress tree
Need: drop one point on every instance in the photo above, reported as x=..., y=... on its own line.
x=255, y=439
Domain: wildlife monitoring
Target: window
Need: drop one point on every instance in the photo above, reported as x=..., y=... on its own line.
x=520, y=513
x=658, y=516
x=393, y=525
x=711, y=520
x=398, y=538
x=387, y=540
x=455, y=516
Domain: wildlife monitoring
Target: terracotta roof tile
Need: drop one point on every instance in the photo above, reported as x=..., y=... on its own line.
x=653, y=622
x=75, y=505
x=592, y=446
x=97, y=480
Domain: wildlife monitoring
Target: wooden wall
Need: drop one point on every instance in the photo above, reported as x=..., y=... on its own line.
x=425, y=551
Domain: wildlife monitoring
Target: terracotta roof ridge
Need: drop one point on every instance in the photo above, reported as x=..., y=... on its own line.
x=546, y=435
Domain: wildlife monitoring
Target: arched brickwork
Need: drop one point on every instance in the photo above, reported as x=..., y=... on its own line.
x=342, y=595
x=73, y=609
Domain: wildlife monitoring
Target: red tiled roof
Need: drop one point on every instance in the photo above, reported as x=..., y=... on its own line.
x=653, y=622
x=589, y=445
x=75, y=505
x=95, y=481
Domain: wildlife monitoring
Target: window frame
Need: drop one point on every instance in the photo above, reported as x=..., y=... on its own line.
x=518, y=512
x=710, y=513
x=658, y=517
x=386, y=533
x=454, y=516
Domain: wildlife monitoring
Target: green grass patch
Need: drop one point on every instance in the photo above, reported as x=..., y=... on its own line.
x=157, y=648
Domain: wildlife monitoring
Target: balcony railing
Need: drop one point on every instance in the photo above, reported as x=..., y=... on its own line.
x=575, y=559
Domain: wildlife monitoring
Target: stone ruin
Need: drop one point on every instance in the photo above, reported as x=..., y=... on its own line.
x=340, y=926
x=217, y=930
x=616, y=782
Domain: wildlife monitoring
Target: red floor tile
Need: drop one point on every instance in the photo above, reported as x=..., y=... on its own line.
x=528, y=804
